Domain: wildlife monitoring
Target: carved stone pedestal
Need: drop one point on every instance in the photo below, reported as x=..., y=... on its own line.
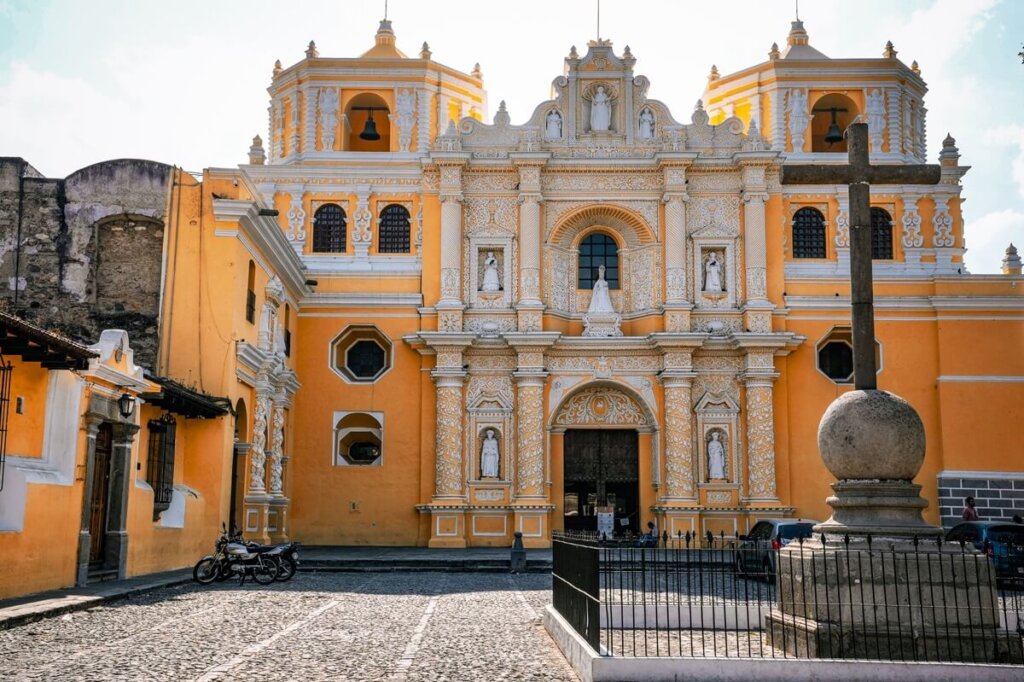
x=888, y=602
x=277, y=519
x=255, y=520
x=602, y=324
x=534, y=522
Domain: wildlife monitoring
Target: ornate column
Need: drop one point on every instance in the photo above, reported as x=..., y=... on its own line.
x=362, y=223
x=679, y=464
x=309, y=99
x=448, y=481
x=842, y=240
x=911, y=237
x=757, y=316
x=293, y=134
x=759, y=376
x=450, y=306
x=677, y=306
x=530, y=307
x=257, y=453
x=531, y=505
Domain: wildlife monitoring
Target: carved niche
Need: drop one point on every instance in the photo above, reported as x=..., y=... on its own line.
x=717, y=420
x=489, y=401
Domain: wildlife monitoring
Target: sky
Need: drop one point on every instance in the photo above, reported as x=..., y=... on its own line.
x=184, y=82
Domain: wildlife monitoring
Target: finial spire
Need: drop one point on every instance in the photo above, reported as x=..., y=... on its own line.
x=599, y=20
x=890, y=51
x=385, y=10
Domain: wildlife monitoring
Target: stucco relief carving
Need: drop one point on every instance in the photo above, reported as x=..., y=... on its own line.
x=448, y=450
x=641, y=363
x=490, y=182
x=328, y=117
x=601, y=405
x=496, y=390
x=276, y=454
x=490, y=214
x=257, y=453
x=723, y=182
x=760, y=442
x=911, y=222
x=296, y=219
x=530, y=453
x=713, y=216
x=678, y=442
x=557, y=291
x=490, y=325
x=405, y=117
x=942, y=221
x=501, y=362
x=601, y=182
x=555, y=210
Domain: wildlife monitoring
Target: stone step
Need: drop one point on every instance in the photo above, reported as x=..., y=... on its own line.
x=417, y=565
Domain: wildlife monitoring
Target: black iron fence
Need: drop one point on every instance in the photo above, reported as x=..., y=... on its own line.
x=717, y=596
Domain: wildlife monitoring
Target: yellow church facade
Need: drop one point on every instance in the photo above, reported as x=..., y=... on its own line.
x=429, y=330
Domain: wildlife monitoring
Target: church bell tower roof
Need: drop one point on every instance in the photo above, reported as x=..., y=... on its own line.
x=799, y=45
x=385, y=43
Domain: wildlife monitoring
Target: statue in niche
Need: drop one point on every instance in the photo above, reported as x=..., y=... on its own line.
x=713, y=274
x=716, y=458
x=489, y=457
x=553, y=127
x=646, y=125
x=601, y=300
x=491, y=280
x=600, y=111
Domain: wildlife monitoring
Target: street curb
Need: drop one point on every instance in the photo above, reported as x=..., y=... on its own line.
x=73, y=602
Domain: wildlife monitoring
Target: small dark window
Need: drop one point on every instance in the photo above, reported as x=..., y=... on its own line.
x=365, y=359
x=287, y=331
x=808, y=233
x=160, y=465
x=250, y=295
x=597, y=250
x=835, y=359
x=394, y=230
x=329, y=229
x=881, y=234
x=5, y=404
x=363, y=452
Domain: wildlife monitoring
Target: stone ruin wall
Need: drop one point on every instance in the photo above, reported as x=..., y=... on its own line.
x=91, y=249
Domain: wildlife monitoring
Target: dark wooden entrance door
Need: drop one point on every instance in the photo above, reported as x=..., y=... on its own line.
x=100, y=495
x=601, y=470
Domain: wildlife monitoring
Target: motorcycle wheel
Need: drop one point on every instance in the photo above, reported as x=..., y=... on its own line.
x=265, y=572
x=206, y=571
x=286, y=568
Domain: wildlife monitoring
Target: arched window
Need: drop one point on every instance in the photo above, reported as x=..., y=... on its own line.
x=596, y=250
x=394, y=230
x=329, y=229
x=287, y=331
x=250, y=295
x=881, y=234
x=808, y=233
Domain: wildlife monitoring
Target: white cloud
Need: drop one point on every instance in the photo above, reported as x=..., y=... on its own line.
x=988, y=236
x=1011, y=136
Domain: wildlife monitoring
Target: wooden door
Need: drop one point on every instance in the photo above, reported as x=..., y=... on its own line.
x=601, y=468
x=100, y=494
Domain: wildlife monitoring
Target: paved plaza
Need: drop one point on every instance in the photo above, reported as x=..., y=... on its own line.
x=344, y=626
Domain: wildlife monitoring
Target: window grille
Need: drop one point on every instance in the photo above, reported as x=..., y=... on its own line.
x=595, y=251
x=329, y=229
x=366, y=359
x=160, y=465
x=287, y=343
x=394, y=230
x=5, y=404
x=250, y=306
x=881, y=234
x=808, y=233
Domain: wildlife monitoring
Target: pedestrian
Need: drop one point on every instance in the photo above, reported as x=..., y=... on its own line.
x=970, y=513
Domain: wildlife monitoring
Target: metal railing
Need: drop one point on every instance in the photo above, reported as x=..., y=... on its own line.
x=718, y=596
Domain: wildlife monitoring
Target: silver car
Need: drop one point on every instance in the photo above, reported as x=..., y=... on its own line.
x=757, y=553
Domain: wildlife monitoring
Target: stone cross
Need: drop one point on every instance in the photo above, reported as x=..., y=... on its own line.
x=859, y=174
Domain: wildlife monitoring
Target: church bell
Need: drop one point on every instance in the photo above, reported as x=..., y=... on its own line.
x=370, y=129
x=834, y=134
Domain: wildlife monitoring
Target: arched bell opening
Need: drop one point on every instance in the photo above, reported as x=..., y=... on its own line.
x=369, y=119
x=833, y=113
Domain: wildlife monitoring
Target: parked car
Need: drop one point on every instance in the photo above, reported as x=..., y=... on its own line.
x=757, y=553
x=1002, y=541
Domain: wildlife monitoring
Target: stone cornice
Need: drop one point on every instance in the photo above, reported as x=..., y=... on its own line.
x=265, y=234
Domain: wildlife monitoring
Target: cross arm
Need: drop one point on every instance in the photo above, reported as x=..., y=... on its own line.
x=924, y=174
x=844, y=174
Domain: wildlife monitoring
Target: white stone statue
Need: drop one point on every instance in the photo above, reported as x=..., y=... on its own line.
x=600, y=111
x=553, y=127
x=491, y=280
x=328, y=116
x=489, y=457
x=646, y=125
x=716, y=458
x=875, y=111
x=713, y=274
x=796, y=107
x=601, y=300
x=405, y=106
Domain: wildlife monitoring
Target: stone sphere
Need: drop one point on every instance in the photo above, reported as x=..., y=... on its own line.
x=867, y=435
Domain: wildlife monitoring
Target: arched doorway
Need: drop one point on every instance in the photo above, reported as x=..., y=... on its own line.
x=604, y=434
x=238, y=458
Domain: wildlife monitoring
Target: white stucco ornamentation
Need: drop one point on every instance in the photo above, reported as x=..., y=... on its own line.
x=796, y=110
x=911, y=222
x=328, y=117
x=942, y=221
x=876, y=115
x=296, y=219
x=405, y=119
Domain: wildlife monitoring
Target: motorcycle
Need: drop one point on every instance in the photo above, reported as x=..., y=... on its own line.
x=286, y=556
x=232, y=557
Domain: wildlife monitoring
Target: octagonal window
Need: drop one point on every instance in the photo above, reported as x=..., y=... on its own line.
x=834, y=355
x=361, y=354
x=835, y=360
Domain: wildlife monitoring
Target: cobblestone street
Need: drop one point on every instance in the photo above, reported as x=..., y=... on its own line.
x=344, y=626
